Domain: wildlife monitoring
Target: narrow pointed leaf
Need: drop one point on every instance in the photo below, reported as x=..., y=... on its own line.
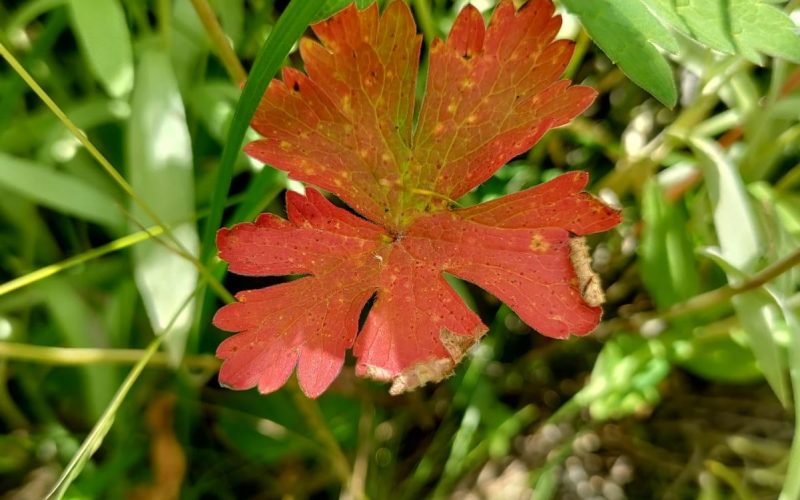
x=59, y=191
x=160, y=170
x=102, y=31
x=624, y=29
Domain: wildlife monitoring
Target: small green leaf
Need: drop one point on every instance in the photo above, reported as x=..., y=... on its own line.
x=625, y=377
x=103, y=34
x=626, y=31
x=59, y=191
x=666, y=256
x=719, y=358
x=160, y=170
x=747, y=27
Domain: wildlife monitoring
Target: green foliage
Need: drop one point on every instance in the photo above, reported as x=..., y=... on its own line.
x=103, y=34
x=629, y=31
x=626, y=30
x=160, y=170
x=703, y=402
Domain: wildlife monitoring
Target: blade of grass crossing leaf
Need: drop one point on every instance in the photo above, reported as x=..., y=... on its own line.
x=108, y=168
x=290, y=26
x=59, y=191
x=98, y=433
x=103, y=34
x=160, y=165
x=624, y=29
x=288, y=29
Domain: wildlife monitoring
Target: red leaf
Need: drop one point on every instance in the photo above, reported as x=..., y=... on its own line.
x=348, y=127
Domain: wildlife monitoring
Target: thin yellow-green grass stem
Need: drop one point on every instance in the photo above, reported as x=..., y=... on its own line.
x=223, y=47
x=164, y=15
x=581, y=46
x=77, y=132
x=76, y=260
x=317, y=424
x=109, y=169
x=52, y=269
x=78, y=356
x=103, y=425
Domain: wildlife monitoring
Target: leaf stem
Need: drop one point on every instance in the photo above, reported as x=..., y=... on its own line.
x=425, y=17
x=718, y=295
x=317, y=424
x=723, y=293
x=221, y=43
x=581, y=46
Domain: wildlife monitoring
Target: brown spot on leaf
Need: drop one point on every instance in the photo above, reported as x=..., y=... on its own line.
x=436, y=370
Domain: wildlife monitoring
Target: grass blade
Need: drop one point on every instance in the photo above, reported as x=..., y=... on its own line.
x=290, y=26
x=58, y=190
x=95, y=438
x=102, y=31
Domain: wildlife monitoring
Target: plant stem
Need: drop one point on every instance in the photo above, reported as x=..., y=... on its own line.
x=223, y=47
x=723, y=293
x=103, y=425
x=317, y=424
x=72, y=356
x=581, y=46
x=425, y=18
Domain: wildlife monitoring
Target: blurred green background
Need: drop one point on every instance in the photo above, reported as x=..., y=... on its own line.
x=688, y=389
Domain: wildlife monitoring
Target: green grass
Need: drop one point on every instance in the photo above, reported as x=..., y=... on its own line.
x=688, y=388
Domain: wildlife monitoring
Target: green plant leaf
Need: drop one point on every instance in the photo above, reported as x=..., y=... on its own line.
x=791, y=485
x=718, y=358
x=103, y=34
x=626, y=31
x=331, y=7
x=625, y=377
x=77, y=324
x=666, y=256
x=160, y=170
x=760, y=317
x=747, y=27
x=741, y=251
x=739, y=235
x=59, y=191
